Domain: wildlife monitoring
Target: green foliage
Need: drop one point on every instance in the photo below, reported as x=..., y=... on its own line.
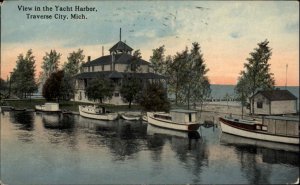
x=158, y=60
x=67, y=87
x=71, y=68
x=100, y=89
x=4, y=88
x=3, y=85
x=135, y=62
x=53, y=86
x=50, y=63
x=154, y=98
x=256, y=74
x=130, y=90
x=74, y=63
x=187, y=76
x=23, y=76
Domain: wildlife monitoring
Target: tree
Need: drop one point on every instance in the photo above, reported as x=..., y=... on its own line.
x=74, y=63
x=100, y=89
x=242, y=91
x=187, y=76
x=154, y=98
x=50, y=64
x=177, y=74
x=135, y=62
x=158, y=60
x=71, y=68
x=256, y=72
x=3, y=89
x=23, y=76
x=52, y=87
x=131, y=84
x=131, y=89
x=196, y=86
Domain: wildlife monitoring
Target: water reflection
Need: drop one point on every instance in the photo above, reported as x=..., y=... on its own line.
x=73, y=148
x=189, y=148
x=254, y=153
x=60, y=129
x=122, y=138
x=58, y=121
x=23, y=119
x=24, y=122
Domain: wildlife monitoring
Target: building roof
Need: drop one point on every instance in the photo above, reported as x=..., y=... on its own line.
x=115, y=74
x=277, y=95
x=120, y=46
x=121, y=58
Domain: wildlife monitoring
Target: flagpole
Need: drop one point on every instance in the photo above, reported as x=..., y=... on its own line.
x=286, y=67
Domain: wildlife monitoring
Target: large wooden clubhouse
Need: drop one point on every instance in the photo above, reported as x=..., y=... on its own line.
x=114, y=66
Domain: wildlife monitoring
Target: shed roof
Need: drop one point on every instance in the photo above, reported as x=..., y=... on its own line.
x=121, y=58
x=277, y=95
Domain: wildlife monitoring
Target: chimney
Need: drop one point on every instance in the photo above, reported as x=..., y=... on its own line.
x=89, y=58
x=102, y=50
x=112, y=67
x=120, y=34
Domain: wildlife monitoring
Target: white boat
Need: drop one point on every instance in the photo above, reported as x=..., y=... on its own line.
x=94, y=112
x=265, y=130
x=153, y=130
x=178, y=119
x=130, y=116
x=242, y=141
x=48, y=107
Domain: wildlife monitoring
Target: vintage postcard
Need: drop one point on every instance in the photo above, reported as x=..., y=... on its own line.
x=149, y=92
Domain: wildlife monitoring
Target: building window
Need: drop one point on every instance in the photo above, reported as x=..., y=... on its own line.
x=92, y=68
x=117, y=94
x=102, y=67
x=259, y=105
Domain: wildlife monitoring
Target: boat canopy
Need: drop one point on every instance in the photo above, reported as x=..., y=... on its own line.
x=183, y=116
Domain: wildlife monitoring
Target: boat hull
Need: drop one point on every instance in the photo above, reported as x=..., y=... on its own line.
x=107, y=116
x=130, y=118
x=244, y=132
x=172, y=125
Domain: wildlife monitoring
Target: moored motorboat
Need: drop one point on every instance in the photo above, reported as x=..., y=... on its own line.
x=48, y=107
x=178, y=119
x=95, y=112
x=265, y=130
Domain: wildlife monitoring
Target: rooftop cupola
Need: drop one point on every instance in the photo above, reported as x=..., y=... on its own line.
x=120, y=47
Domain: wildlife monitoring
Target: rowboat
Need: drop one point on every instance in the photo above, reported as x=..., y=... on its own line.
x=268, y=130
x=130, y=117
x=95, y=112
x=177, y=119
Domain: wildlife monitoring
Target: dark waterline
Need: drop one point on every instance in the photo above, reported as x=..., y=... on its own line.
x=51, y=149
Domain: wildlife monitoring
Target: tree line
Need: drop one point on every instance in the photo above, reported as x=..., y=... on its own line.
x=185, y=74
x=58, y=83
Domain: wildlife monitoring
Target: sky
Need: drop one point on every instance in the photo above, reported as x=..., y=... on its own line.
x=227, y=32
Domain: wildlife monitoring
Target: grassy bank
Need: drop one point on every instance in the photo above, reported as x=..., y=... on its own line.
x=64, y=105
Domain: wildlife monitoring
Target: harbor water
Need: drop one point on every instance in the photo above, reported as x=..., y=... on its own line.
x=39, y=148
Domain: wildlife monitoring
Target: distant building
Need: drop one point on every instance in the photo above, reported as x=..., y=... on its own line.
x=274, y=102
x=114, y=66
